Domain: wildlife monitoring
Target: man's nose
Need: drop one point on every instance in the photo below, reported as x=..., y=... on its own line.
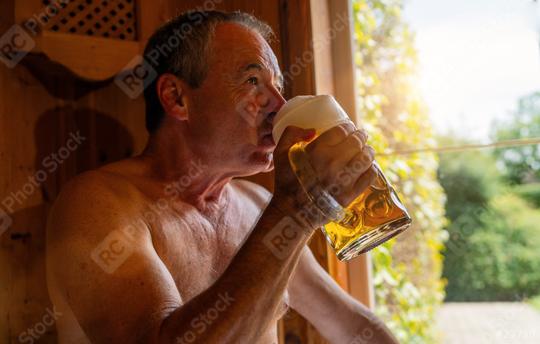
x=275, y=102
x=281, y=101
x=276, y=99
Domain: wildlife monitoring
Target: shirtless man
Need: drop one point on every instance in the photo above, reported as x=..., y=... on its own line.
x=167, y=247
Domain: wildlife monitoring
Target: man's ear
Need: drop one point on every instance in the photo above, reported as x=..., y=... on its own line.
x=171, y=93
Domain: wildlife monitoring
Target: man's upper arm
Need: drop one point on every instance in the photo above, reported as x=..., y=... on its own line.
x=102, y=261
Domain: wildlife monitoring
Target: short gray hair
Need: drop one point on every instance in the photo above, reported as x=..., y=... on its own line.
x=181, y=47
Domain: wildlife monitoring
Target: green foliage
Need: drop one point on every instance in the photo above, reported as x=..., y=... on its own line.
x=470, y=180
x=521, y=164
x=494, y=230
x=529, y=192
x=407, y=270
x=535, y=302
x=492, y=253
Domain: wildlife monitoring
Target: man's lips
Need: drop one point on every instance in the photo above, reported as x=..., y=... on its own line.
x=267, y=141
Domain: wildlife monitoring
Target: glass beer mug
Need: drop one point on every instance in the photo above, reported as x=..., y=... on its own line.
x=374, y=217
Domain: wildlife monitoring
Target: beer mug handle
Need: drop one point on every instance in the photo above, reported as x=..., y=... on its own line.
x=311, y=185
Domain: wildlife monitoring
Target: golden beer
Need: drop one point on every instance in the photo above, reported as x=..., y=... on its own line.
x=374, y=217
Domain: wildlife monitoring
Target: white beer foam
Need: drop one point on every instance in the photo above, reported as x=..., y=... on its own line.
x=319, y=112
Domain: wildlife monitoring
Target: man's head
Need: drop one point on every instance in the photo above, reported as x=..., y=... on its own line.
x=219, y=84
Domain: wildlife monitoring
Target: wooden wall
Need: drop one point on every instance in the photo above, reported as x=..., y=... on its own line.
x=38, y=112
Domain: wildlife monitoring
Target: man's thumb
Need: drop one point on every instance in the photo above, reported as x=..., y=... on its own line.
x=292, y=135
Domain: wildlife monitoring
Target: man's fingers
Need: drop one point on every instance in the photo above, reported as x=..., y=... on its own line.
x=343, y=153
x=361, y=161
x=333, y=136
x=356, y=139
x=366, y=179
x=362, y=135
x=290, y=136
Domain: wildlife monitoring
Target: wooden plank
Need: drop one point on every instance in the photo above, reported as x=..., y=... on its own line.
x=80, y=53
x=296, y=43
x=151, y=14
x=322, y=48
x=31, y=131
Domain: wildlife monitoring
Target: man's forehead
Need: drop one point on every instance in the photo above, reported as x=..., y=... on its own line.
x=244, y=48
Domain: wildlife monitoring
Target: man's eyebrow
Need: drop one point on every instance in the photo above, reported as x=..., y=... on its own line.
x=251, y=66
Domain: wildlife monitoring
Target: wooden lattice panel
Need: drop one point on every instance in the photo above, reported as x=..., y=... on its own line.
x=109, y=19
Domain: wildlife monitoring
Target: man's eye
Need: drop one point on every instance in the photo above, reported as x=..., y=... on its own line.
x=253, y=80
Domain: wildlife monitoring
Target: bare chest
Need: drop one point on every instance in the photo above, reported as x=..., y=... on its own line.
x=197, y=249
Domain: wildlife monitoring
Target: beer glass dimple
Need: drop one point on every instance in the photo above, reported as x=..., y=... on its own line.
x=374, y=217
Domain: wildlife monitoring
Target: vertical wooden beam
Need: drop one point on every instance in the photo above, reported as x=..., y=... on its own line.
x=299, y=74
x=296, y=45
x=359, y=269
x=316, y=41
x=334, y=74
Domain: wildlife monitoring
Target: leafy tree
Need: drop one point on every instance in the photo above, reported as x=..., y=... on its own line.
x=470, y=179
x=520, y=164
x=492, y=252
x=529, y=192
x=407, y=270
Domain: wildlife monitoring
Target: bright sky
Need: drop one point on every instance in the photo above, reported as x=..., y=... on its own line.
x=477, y=58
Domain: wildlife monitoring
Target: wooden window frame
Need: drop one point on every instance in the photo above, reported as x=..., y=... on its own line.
x=334, y=70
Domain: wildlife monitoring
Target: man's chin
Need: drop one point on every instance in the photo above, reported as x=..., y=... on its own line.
x=270, y=166
x=262, y=162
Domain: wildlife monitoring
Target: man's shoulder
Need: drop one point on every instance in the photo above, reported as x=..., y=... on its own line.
x=255, y=192
x=93, y=199
x=94, y=185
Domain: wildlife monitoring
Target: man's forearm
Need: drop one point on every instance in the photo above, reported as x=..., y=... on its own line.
x=355, y=324
x=335, y=314
x=253, y=283
x=368, y=329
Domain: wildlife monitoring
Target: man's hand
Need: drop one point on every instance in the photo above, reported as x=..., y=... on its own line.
x=341, y=160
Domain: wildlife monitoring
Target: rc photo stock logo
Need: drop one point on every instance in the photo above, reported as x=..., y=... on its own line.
x=135, y=77
x=248, y=108
x=35, y=332
x=14, y=45
x=49, y=165
x=17, y=42
x=204, y=320
x=139, y=72
x=279, y=239
x=113, y=251
x=5, y=221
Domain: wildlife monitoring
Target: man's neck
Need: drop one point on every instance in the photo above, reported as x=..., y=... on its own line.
x=171, y=160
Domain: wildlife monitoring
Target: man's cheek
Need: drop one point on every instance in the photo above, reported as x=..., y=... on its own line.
x=248, y=112
x=244, y=134
x=249, y=109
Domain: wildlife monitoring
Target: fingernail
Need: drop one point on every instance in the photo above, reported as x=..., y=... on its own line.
x=309, y=134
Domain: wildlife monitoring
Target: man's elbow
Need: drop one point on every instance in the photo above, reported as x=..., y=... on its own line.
x=370, y=329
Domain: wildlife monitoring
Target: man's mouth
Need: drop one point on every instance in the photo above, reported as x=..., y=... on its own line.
x=267, y=140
